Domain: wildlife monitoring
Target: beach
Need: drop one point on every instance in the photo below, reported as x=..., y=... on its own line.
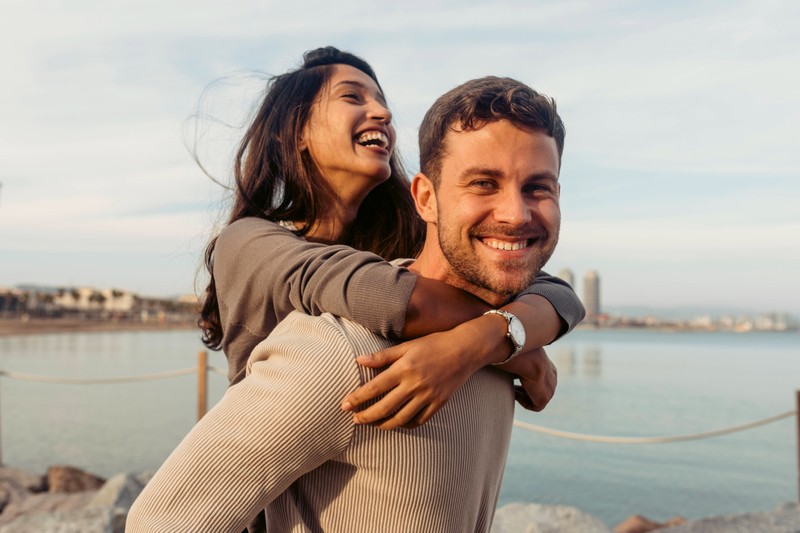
x=38, y=326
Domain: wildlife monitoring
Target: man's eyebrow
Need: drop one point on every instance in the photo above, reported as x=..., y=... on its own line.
x=486, y=172
x=546, y=175
x=361, y=86
x=489, y=172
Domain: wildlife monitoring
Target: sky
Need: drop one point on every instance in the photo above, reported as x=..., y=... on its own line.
x=680, y=173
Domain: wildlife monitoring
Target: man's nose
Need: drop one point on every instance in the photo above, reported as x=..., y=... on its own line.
x=512, y=208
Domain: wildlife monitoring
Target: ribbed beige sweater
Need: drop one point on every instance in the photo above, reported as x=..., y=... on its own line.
x=279, y=440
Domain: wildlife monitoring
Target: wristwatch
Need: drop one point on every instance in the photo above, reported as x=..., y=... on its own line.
x=515, y=332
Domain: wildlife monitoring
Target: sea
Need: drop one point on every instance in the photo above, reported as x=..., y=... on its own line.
x=620, y=383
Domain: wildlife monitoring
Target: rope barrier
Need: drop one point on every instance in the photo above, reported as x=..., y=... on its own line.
x=96, y=381
x=524, y=425
x=651, y=440
x=219, y=371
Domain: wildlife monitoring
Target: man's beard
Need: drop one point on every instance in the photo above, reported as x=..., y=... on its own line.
x=504, y=279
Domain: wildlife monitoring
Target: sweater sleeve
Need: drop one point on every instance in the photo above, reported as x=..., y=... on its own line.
x=561, y=296
x=282, y=421
x=264, y=271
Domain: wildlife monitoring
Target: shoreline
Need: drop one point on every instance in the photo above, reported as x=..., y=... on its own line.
x=10, y=327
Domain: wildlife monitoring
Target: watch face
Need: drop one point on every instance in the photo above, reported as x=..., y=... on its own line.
x=517, y=332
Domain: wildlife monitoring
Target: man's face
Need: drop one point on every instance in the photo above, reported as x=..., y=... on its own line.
x=498, y=213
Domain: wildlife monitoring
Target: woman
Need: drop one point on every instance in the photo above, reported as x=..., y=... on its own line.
x=318, y=178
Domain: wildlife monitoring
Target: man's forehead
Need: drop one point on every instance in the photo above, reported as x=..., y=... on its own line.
x=490, y=147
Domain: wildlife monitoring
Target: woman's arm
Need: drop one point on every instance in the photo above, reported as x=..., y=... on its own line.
x=263, y=272
x=417, y=384
x=549, y=309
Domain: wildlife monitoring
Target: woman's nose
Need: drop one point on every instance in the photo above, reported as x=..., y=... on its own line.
x=380, y=112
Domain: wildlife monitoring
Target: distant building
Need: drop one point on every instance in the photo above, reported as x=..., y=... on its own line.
x=12, y=301
x=591, y=294
x=568, y=276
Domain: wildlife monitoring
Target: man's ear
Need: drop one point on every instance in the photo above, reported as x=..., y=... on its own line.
x=424, y=194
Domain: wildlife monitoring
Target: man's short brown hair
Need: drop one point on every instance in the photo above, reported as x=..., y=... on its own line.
x=478, y=102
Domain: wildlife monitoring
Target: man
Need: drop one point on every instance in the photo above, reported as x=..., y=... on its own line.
x=488, y=190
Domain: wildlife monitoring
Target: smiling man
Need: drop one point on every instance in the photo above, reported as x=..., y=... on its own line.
x=489, y=192
x=489, y=186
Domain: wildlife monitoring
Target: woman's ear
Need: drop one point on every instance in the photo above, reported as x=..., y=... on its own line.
x=424, y=194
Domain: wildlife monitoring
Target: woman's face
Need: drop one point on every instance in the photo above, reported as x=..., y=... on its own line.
x=349, y=135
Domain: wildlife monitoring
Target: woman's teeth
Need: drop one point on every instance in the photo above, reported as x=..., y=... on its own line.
x=505, y=245
x=373, y=138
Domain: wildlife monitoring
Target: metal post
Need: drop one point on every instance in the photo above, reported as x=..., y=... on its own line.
x=797, y=420
x=1, y=435
x=202, y=379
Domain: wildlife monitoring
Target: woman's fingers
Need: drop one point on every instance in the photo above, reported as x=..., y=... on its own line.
x=382, y=358
x=380, y=384
x=391, y=411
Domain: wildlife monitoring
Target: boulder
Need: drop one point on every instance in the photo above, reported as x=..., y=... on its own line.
x=536, y=518
x=44, y=503
x=85, y=520
x=120, y=491
x=71, y=479
x=783, y=519
x=642, y=524
x=11, y=492
x=24, y=479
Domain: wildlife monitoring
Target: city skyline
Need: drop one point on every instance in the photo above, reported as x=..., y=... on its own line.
x=679, y=173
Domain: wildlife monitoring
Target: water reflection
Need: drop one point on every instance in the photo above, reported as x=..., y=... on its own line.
x=566, y=358
x=592, y=361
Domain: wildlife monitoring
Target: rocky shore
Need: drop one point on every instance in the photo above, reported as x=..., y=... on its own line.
x=69, y=500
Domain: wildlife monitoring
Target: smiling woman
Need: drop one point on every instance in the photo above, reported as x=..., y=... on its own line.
x=318, y=166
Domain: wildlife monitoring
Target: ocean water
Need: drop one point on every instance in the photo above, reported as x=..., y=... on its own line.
x=617, y=383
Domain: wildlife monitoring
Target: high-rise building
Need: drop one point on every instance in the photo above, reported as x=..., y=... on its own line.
x=591, y=293
x=568, y=276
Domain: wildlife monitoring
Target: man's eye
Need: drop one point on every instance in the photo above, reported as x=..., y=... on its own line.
x=483, y=184
x=536, y=189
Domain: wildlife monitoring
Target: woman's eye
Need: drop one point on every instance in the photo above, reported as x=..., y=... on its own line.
x=352, y=96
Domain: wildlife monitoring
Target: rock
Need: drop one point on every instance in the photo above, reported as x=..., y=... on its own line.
x=783, y=519
x=642, y=524
x=10, y=492
x=26, y=480
x=70, y=479
x=120, y=491
x=86, y=520
x=44, y=503
x=536, y=518
x=101, y=511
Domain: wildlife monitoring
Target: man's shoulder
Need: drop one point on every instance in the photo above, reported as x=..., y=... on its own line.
x=328, y=335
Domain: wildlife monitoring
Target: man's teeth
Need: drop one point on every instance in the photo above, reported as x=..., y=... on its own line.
x=505, y=245
x=373, y=138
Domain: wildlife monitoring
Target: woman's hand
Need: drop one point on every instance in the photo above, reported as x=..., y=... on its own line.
x=538, y=378
x=423, y=375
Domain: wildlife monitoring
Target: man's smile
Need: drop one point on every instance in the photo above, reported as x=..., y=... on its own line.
x=503, y=244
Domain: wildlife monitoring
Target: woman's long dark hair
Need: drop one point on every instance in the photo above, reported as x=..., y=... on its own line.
x=275, y=180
